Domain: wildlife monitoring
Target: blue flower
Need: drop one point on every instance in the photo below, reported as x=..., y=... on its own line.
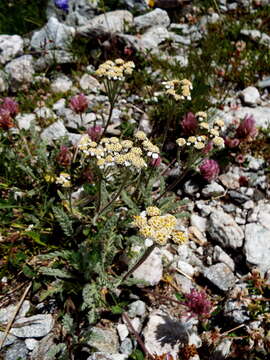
x=61, y=4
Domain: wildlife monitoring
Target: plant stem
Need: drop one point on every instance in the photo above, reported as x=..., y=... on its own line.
x=147, y=253
x=137, y=336
x=114, y=197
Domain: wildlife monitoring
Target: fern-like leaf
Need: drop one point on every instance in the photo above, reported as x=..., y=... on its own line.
x=63, y=220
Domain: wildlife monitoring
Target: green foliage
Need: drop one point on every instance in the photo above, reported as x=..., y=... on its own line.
x=22, y=16
x=63, y=220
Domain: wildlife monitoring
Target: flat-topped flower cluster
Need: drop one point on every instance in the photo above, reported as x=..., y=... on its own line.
x=158, y=228
x=112, y=151
x=178, y=89
x=210, y=131
x=115, y=70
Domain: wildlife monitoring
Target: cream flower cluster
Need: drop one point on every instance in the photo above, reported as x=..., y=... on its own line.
x=64, y=180
x=178, y=89
x=115, y=152
x=212, y=133
x=158, y=228
x=150, y=149
x=115, y=70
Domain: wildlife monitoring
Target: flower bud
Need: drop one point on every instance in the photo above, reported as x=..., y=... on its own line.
x=95, y=132
x=10, y=105
x=209, y=169
x=189, y=124
x=79, y=103
x=247, y=128
x=6, y=121
x=64, y=157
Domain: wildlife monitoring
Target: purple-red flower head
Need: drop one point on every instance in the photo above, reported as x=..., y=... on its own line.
x=189, y=124
x=64, y=156
x=247, y=128
x=6, y=121
x=10, y=105
x=198, y=303
x=79, y=103
x=209, y=169
x=95, y=132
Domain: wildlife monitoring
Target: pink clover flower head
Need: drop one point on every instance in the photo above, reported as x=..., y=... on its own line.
x=189, y=124
x=79, y=103
x=6, y=121
x=95, y=132
x=209, y=169
x=155, y=162
x=64, y=156
x=198, y=303
x=10, y=105
x=231, y=143
x=247, y=128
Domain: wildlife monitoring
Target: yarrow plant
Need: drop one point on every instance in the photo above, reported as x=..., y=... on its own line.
x=157, y=228
x=113, y=74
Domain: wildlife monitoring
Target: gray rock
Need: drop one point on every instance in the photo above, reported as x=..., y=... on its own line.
x=79, y=13
x=219, y=255
x=137, y=308
x=18, y=350
x=153, y=37
x=6, y=313
x=59, y=105
x=199, y=222
x=20, y=71
x=191, y=187
x=258, y=36
x=224, y=230
x=156, y=17
x=3, y=81
x=105, y=356
x=264, y=83
x=229, y=208
x=54, y=35
x=257, y=246
x=104, y=340
x=88, y=82
x=261, y=214
x=163, y=334
x=236, y=310
x=31, y=344
x=41, y=351
x=261, y=115
x=52, y=57
x=185, y=268
x=184, y=40
x=25, y=121
x=254, y=164
x=126, y=346
x=213, y=190
x=54, y=131
x=33, y=326
x=112, y=21
x=122, y=331
x=222, y=350
x=10, y=47
x=151, y=269
x=250, y=96
x=238, y=197
x=185, y=284
x=249, y=205
x=45, y=113
x=61, y=84
x=220, y=275
x=10, y=339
